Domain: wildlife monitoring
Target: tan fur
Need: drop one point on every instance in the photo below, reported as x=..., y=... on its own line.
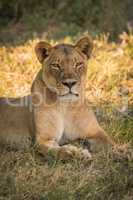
x=59, y=116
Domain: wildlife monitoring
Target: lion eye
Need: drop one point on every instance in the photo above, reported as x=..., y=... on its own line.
x=79, y=65
x=55, y=66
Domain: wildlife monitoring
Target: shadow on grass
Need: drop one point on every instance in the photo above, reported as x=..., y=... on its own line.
x=26, y=175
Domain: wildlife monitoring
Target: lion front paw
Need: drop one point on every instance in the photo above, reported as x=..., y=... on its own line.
x=67, y=152
x=70, y=151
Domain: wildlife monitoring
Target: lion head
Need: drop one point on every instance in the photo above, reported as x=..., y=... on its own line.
x=64, y=66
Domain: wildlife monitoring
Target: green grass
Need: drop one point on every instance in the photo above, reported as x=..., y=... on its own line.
x=26, y=175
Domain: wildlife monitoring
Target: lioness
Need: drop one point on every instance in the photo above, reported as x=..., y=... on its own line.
x=59, y=110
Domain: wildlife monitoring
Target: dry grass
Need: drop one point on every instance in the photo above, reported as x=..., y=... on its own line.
x=24, y=175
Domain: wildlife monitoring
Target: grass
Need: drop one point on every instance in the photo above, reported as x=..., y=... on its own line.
x=25, y=175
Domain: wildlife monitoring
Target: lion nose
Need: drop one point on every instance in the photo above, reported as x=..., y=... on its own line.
x=69, y=83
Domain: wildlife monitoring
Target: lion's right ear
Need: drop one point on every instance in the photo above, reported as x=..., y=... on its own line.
x=85, y=45
x=42, y=50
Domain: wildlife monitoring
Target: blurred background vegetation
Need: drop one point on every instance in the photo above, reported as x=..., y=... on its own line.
x=65, y=17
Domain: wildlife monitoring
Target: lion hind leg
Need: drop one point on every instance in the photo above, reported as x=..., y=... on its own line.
x=103, y=137
x=99, y=140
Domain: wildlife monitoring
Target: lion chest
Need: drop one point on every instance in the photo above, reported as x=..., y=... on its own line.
x=70, y=131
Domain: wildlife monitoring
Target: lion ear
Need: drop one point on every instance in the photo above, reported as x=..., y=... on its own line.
x=85, y=45
x=42, y=50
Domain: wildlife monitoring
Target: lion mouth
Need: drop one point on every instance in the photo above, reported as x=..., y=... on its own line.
x=69, y=94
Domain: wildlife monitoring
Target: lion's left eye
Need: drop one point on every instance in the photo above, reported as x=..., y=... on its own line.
x=55, y=66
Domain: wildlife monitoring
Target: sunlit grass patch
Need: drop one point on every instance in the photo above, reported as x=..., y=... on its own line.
x=110, y=72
